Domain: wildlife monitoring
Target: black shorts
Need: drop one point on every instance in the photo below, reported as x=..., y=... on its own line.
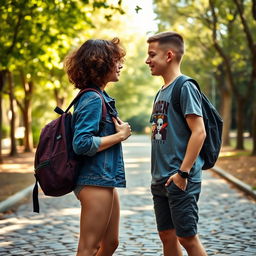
x=177, y=209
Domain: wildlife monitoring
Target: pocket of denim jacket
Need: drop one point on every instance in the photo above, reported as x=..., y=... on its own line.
x=109, y=127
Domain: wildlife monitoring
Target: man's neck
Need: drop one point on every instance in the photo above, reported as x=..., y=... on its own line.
x=170, y=77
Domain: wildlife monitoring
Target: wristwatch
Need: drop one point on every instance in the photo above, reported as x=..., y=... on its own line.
x=183, y=174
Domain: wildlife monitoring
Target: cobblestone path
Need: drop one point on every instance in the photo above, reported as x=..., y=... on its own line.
x=227, y=217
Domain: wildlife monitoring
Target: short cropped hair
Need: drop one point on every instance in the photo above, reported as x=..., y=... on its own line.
x=93, y=62
x=173, y=39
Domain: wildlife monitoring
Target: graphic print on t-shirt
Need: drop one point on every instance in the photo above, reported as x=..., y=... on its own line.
x=160, y=121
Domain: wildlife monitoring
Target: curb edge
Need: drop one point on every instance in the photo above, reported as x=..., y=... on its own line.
x=238, y=183
x=14, y=199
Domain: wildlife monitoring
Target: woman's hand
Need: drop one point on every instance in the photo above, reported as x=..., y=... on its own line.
x=123, y=128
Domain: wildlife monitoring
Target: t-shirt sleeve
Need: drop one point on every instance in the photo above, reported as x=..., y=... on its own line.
x=190, y=100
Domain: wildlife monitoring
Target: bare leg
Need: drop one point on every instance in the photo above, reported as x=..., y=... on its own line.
x=170, y=243
x=110, y=241
x=193, y=246
x=96, y=208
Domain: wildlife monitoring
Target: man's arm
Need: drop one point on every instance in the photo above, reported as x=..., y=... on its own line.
x=195, y=143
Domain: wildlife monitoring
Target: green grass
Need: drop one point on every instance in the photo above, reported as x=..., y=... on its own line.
x=237, y=153
x=247, y=143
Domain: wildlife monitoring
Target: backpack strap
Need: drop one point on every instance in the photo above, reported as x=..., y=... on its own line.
x=35, y=197
x=151, y=117
x=175, y=98
x=104, y=108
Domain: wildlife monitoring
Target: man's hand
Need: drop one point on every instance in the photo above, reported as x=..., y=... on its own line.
x=178, y=181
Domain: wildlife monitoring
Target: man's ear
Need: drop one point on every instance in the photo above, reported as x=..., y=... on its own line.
x=170, y=55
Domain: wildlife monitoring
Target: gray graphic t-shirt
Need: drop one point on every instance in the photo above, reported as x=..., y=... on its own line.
x=170, y=135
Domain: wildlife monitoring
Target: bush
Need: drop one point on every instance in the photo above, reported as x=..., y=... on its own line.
x=5, y=131
x=139, y=123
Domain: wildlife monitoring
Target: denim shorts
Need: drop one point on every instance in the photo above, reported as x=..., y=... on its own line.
x=78, y=189
x=176, y=209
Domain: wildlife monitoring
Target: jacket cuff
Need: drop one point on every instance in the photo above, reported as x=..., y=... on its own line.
x=96, y=141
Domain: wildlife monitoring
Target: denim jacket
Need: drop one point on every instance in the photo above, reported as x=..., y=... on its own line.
x=105, y=168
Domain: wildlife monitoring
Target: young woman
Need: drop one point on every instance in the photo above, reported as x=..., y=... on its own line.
x=98, y=141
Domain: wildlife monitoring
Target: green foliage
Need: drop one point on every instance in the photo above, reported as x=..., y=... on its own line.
x=5, y=131
x=139, y=122
x=35, y=36
x=195, y=21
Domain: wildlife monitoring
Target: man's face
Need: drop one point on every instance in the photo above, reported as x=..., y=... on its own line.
x=157, y=59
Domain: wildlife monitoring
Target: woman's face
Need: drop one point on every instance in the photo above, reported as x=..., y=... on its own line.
x=114, y=75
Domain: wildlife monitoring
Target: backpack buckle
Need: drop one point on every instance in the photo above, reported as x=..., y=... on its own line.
x=59, y=111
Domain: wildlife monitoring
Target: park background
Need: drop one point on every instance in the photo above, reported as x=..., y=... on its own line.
x=36, y=35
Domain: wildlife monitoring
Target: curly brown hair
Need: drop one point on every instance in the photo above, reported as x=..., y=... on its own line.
x=93, y=62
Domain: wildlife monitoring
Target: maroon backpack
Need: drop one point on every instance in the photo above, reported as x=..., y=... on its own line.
x=55, y=161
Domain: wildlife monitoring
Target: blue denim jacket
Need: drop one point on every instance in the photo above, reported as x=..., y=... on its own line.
x=105, y=168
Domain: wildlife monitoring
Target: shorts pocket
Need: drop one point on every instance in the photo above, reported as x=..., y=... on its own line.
x=174, y=189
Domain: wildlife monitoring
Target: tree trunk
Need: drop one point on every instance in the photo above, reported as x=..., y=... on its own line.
x=240, y=124
x=27, y=113
x=1, y=125
x=2, y=82
x=252, y=47
x=224, y=87
x=254, y=9
x=59, y=100
x=28, y=138
x=13, y=150
x=226, y=114
x=254, y=129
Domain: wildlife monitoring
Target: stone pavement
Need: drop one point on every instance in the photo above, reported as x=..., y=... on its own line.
x=227, y=217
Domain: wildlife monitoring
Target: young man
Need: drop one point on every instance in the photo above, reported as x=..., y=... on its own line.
x=176, y=164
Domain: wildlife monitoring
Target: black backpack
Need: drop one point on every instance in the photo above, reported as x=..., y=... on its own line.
x=212, y=121
x=55, y=161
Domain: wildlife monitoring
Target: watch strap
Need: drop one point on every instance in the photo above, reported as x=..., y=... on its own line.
x=183, y=174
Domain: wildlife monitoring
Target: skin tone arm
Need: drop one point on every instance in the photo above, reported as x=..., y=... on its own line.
x=195, y=143
x=123, y=131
